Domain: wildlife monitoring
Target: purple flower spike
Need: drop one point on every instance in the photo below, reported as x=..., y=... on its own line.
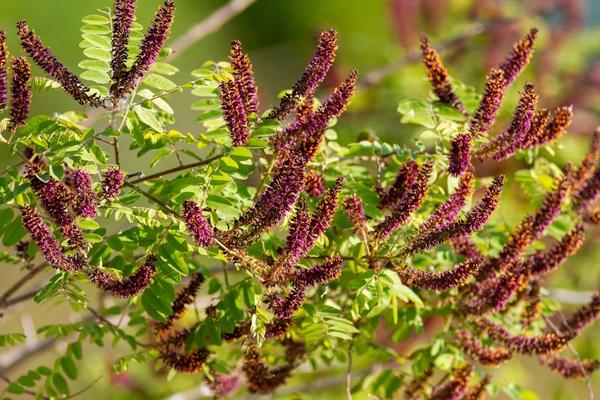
x=314, y=127
x=552, y=203
x=460, y=154
x=314, y=184
x=319, y=274
x=20, y=92
x=44, y=58
x=234, y=113
x=322, y=217
x=411, y=200
x=585, y=315
x=485, y=116
x=86, y=199
x=553, y=130
x=278, y=198
x=404, y=179
x=438, y=77
x=244, y=77
x=123, y=16
x=287, y=306
x=527, y=345
x=45, y=241
x=519, y=57
x=513, y=139
x=456, y=387
x=112, y=182
x=127, y=287
x=56, y=198
x=464, y=227
x=356, y=212
x=313, y=75
x=152, y=44
x=543, y=262
x=297, y=237
x=447, y=212
x=440, y=281
x=3, y=72
x=196, y=224
x=487, y=356
x=571, y=369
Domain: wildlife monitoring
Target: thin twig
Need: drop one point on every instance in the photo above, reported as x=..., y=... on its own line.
x=176, y=169
x=209, y=25
x=18, y=284
x=349, y=373
x=575, y=354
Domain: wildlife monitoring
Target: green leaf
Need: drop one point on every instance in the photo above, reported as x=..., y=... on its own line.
x=159, y=82
x=10, y=339
x=88, y=224
x=95, y=65
x=97, y=54
x=60, y=383
x=96, y=76
x=68, y=365
x=416, y=112
x=148, y=117
x=95, y=20
x=101, y=42
x=14, y=233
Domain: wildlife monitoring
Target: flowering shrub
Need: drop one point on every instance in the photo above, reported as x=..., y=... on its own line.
x=304, y=250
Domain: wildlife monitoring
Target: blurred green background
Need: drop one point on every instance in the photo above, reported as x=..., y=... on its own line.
x=280, y=35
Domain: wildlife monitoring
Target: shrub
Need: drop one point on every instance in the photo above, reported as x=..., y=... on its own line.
x=305, y=250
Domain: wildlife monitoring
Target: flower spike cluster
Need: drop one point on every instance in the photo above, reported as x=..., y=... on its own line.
x=86, y=199
x=244, y=77
x=485, y=355
x=263, y=379
x=196, y=224
x=127, y=287
x=519, y=57
x=20, y=92
x=440, y=281
x=185, y=297
x=447, y=212
x=56, y=199
x=438, y=77
x=543, y=262
x=513, y=139
x=3, y=71
x=411, y=200
x=456, y=387
x=45, y=240
x=475, y=219
x=123, y=17
x=527, y=345
x=314, y=184
x=585, y=315
x=286, y=307
x=490, y=103
x=569, y=368
x=313, y=75
x=44, y=58
x=588, y=165
x=234, y=112
x=460, y=154
x=404, y=179
x=112, y=182
x=356, y=212
x=152, y=44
